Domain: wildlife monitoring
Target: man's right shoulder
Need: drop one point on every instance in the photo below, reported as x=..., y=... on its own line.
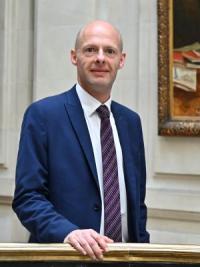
x=48, y=107
x=50, y=102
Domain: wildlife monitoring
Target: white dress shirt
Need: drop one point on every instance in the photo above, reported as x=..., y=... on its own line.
x=89, y=105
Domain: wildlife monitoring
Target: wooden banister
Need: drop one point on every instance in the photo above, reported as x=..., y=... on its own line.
x=121, y=253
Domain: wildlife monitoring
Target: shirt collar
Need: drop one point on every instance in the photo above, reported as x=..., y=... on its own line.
x=88, y=102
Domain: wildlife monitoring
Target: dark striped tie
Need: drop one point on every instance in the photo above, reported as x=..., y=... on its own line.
x=112, y=214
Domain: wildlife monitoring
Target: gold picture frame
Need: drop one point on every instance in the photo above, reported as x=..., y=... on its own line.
x=169, y=123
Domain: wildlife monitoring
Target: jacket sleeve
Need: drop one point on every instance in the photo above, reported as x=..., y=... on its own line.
x=31, y=199
x=144, y=235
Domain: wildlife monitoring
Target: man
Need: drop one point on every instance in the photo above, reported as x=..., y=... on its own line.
x=60, y=189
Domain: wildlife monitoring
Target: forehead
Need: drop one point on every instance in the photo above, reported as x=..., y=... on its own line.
x=98, y=35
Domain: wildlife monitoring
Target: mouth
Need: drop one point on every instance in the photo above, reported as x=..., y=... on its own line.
x=99, y=70
x=99, y=73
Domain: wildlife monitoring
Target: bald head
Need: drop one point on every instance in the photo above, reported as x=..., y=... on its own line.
x=98, y=26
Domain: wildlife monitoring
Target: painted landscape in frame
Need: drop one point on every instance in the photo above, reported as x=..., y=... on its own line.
x=179, y=67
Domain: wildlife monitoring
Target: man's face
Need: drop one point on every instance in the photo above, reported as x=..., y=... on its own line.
x=98, y=58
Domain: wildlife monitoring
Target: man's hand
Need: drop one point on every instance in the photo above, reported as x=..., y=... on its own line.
x=88, y=242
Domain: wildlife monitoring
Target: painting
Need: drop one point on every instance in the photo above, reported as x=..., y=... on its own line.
x=179, y=67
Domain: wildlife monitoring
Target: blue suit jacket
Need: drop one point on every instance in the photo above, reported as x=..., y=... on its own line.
x=57, y=188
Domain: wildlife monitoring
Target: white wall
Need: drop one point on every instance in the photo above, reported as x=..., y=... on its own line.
x=37, y=64
x=16, y=72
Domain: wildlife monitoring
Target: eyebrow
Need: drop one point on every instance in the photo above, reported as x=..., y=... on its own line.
x=104, y=46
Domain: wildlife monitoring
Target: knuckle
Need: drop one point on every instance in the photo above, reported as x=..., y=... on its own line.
x=92, y=243
x=70, y=238
x=84, y=243
x=98, y=238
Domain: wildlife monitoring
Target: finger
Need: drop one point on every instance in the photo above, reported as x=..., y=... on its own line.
x=108, y=240
x=90, y=237
x=103, y=245
x=88, y=247
x=96, y=235
x=102, y=240
x=98, y=251
x=88, y=242
x=75, y=244
x=79, y=239
x=97, y=244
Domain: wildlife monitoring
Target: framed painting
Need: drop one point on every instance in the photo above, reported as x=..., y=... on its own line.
x=179, y=67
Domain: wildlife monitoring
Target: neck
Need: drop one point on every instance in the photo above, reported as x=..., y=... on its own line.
x=101, y=94
x=100, y=97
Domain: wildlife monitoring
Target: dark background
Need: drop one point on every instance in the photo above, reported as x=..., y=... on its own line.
x=186, y=22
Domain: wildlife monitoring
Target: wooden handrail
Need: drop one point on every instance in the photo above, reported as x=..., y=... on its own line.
x=117, y=252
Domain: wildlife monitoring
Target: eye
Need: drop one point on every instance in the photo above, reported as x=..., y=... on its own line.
x=110, y=51
x=90, y=50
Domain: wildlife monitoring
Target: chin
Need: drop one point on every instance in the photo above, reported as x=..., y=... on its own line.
x=99, y=87
x=100, y=83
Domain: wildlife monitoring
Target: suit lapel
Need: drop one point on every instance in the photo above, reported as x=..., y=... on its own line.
x=76, y=116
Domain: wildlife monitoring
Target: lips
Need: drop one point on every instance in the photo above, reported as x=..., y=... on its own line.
x=98, y=70
x=99, y=73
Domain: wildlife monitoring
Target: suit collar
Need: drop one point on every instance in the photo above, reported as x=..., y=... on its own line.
x=76, y=116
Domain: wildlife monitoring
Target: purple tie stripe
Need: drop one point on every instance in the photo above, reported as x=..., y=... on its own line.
x=112, y=226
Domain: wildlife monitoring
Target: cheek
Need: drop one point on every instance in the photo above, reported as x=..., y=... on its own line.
x=82, y=65
x=82, y=69
x=116, y=66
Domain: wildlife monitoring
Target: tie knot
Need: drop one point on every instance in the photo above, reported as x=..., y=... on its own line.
x=103, y=112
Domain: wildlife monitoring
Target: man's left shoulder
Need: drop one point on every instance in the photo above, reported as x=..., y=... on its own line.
x=124, y=111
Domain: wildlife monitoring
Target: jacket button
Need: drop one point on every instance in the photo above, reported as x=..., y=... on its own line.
x=96, y=207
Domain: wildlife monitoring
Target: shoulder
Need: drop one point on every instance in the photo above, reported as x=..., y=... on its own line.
x=124, y=111
x=46, y=109
x=130, y=117
x=50, y=104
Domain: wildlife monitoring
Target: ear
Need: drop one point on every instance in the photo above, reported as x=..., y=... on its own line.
x=73, y=57
x=122, y=60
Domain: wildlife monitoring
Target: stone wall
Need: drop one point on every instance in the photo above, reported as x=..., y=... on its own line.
x=35, y=42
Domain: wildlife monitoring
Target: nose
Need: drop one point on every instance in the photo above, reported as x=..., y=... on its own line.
x=100, y=56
